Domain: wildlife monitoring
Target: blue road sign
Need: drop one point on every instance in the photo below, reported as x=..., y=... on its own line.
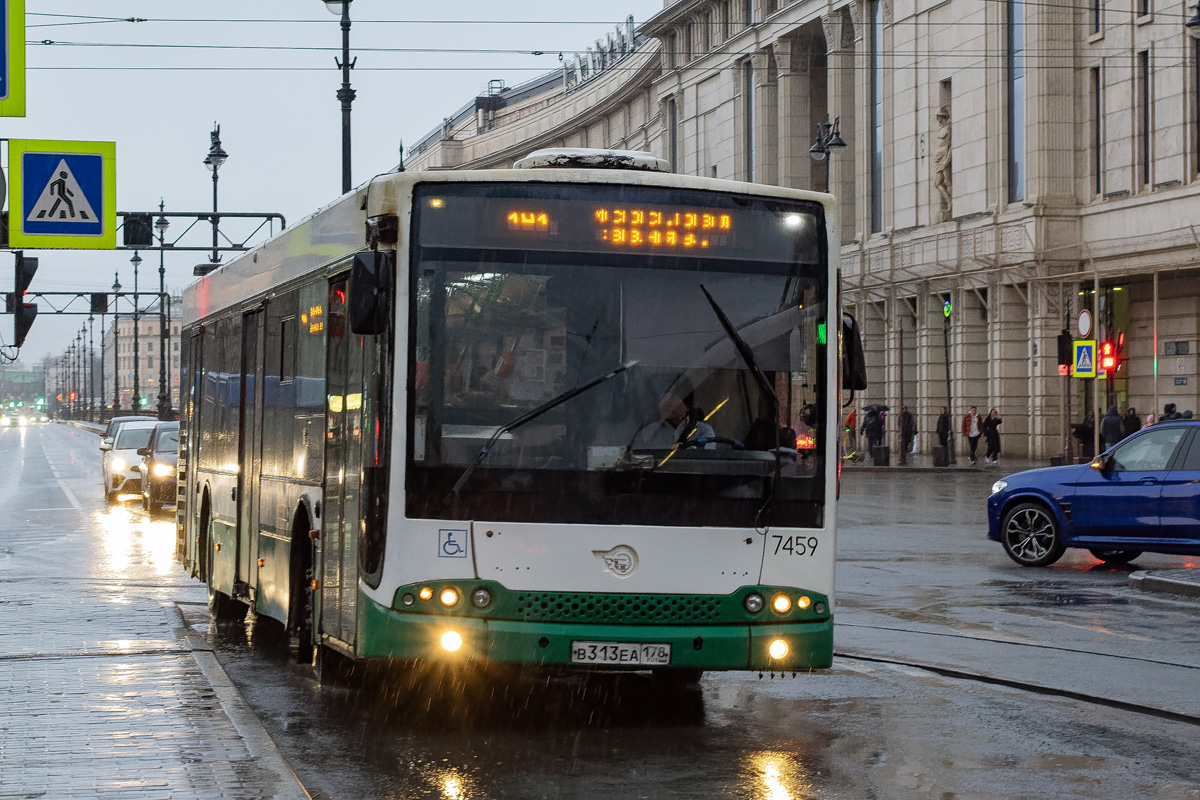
x=62, y=194
x=12, y=58
x=1085, y=358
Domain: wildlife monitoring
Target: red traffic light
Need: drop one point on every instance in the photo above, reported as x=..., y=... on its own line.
x=1108, y=356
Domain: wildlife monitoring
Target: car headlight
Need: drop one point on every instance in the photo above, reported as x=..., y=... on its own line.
x=119, y=464
x=999, y=486
x=162, y=470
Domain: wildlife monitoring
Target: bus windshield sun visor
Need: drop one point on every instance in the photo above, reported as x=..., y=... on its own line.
x=529, y=416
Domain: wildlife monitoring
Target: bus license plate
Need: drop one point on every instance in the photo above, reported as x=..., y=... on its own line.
x=626, y=653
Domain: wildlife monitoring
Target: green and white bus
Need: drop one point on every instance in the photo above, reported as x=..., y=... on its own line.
x=582, y=412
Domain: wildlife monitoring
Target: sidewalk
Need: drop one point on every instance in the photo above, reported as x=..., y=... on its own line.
x=105, y=694
x=923, y=462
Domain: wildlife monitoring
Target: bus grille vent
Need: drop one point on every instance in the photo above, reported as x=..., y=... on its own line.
x=618, y=608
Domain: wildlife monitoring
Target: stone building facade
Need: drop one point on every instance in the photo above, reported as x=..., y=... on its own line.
x=1021, y=160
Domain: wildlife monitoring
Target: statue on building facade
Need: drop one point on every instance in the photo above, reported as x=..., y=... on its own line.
x=941, y=162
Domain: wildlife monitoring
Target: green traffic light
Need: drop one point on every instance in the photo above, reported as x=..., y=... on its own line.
x=821, y=332
x=947, y=308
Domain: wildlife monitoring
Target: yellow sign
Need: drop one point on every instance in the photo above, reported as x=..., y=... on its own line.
x=12, y=59
x=1085, y=358
x=62, y=194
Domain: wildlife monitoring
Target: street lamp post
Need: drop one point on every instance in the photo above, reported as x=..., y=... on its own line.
x=137, y=353
x=102, y=368
x=92, y=364
x=116, y=345
x=1192, y=26
x=344, y=94
x=215, y=158
x=829, y=138
x=164, y=398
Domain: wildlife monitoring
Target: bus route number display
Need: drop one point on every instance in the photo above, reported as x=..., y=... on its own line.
x=650, y=228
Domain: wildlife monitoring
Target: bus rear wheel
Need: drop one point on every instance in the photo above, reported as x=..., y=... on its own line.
x=222, y=607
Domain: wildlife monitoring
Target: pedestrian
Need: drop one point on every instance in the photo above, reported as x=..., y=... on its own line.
x=873, y=428
x=943, y=428
x=1131, y=422
x=972, y=429
x=851, y=445
x=1084, y=432
x=1112, y=429
x=908, y=429
x=1149, y=421
x=1168, y=413
x=991, y=433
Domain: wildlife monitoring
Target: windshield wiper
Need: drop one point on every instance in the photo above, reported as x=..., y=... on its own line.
x=747, y=355
x=528, y=416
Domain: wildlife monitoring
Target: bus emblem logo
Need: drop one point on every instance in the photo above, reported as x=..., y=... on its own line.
x=621, y=561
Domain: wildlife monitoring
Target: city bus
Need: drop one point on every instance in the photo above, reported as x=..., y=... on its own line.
x=581, y=413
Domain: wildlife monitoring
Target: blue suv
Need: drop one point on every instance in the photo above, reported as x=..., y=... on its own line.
x=1141, y=495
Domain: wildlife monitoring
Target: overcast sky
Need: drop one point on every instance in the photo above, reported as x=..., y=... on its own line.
x=280, y=120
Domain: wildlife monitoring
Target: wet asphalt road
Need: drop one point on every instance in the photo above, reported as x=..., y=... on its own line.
x=918, y=583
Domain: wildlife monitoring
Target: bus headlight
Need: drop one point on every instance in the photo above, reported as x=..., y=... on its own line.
x=426, y=593
x=449, y=596
x=781, y=603
x=778, y=649
x=753, y=602
x=803, y=602
x=451, y=641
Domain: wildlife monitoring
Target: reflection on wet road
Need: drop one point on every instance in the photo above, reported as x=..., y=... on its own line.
x=917, y=582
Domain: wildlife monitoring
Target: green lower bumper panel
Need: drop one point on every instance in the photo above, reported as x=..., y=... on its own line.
x=387, y=634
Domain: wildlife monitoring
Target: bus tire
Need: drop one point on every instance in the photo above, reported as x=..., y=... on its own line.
x=222, y=607
x=300, y=622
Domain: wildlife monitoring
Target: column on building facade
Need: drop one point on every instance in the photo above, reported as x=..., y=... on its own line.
x=766, y=119
x=792, y=63
x=848, y=79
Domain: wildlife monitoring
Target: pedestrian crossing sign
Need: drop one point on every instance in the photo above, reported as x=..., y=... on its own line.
x=62, y=194
x=1085, y=358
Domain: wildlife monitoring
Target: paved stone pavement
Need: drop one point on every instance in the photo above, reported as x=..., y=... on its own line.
x=104, y=695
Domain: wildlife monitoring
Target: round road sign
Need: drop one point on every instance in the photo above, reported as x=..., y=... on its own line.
x=1084, y=323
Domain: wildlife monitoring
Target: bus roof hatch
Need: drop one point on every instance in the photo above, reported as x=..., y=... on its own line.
x=588, y=158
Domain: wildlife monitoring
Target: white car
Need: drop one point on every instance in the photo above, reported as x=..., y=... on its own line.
x=121, y=462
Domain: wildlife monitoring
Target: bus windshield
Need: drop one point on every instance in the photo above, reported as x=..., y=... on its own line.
x=506, y=319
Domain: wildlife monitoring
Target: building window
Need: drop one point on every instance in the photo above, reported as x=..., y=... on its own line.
x=1146, y=121
x=748, y=12
x=1097, y=133
x=706, y=24
x=876, y=116
x=748, y=131
x=1196, y=98
x=1143, y=7
x=1096, y=13
x=673, y=133
x=1016, y=100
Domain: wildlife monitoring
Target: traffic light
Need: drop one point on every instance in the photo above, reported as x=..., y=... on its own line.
x=1108, y=357
x=947, y=308
x=1066, y=346
x=23, y=313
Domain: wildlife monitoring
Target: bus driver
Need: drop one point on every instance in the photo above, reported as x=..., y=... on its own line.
x=679, y=420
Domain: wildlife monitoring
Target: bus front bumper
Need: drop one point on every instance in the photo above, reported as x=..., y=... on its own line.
x=387, y=634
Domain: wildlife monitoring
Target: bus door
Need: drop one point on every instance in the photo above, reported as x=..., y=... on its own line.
x=344, y=402
x=249, y=451
x=188, y=519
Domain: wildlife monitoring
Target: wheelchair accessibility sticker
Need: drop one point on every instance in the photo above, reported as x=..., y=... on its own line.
x=452, y=543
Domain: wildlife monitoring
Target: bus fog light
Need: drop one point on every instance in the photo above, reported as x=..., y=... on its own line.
x=449, y=596
x=408, y=599
x=451, y=641
x=804, y=601
x=425, y=593
x=753, y=603
x=781, y=603
x=819, y=608
x=481, y=598
x=778, y=649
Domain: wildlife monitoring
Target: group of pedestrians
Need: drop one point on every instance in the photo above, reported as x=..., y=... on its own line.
x=1115, y=426
x=974, y=427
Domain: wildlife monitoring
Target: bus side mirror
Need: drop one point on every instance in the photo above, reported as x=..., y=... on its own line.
x=369, y=306
x=854, y=363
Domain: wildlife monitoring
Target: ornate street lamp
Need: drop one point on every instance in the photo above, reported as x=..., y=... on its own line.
x=828, y=136
x=116, y=345
x=1192, y=26
x=344, y=94
x=137, y=353
x=164, y=398
x=215, y=158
